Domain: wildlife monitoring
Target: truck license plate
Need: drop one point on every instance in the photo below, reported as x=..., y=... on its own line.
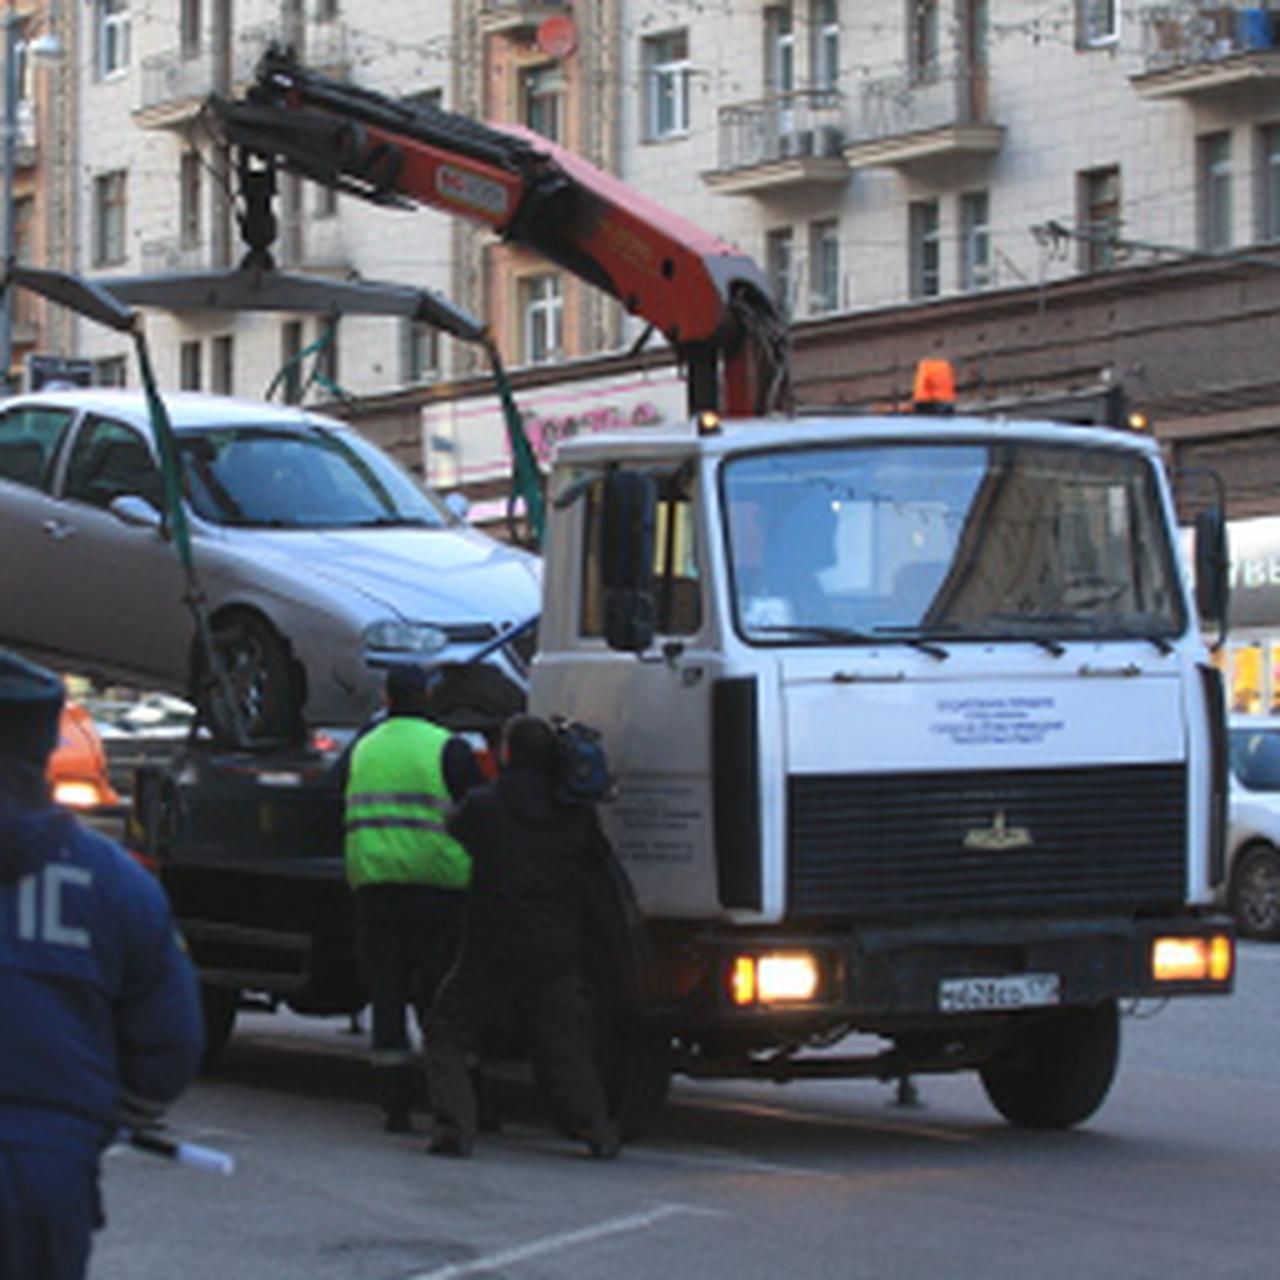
x=1019, y=991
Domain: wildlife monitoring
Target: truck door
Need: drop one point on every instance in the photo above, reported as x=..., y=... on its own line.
x=654, y=708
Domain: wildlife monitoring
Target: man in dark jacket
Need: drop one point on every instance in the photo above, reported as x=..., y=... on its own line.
x=530, y=856
x=406, y=870
x=99, y=1008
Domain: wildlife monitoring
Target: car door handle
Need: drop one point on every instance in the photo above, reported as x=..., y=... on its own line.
x=58, y=529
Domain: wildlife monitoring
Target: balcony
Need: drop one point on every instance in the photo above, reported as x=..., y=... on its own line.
x=518, y=17
x=791, y=140
x=933, y=114
x=174, y=85
x=1190, y=51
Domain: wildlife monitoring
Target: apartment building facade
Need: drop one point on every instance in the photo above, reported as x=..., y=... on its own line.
x=1058, y=196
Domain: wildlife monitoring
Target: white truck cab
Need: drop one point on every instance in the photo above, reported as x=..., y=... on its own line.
x=914, y=733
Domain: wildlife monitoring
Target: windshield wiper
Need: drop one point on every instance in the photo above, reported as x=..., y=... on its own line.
x=822, y=631
x=393, y=522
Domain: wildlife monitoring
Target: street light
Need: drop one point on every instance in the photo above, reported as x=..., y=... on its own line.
x=46, y=48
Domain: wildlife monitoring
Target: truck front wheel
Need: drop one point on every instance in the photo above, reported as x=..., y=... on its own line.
x=1057, y=1069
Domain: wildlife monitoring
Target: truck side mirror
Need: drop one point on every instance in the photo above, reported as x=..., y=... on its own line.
x=1212, y=565
x=626, y=558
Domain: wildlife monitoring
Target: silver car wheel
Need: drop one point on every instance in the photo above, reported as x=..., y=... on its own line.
x=1255, y=892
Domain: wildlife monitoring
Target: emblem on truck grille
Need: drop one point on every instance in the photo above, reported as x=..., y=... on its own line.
x=999, y=837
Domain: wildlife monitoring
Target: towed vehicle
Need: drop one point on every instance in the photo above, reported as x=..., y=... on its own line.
x=319, y=557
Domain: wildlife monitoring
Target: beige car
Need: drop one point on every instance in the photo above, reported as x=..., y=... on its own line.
x=320, y=558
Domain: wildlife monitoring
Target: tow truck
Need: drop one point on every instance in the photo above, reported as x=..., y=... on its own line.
x=914, y=729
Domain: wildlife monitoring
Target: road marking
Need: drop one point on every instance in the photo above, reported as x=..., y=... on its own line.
x=567, y=1240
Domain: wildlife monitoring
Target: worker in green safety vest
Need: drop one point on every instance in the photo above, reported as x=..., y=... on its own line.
x=408, y=873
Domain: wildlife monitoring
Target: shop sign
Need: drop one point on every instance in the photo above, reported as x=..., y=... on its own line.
x=465, y=440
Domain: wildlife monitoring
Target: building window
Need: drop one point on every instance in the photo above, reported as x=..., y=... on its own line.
x=190, y=370
x=779, y=266
x=1215, y=191
x=290, y=360
x=327, y=10
x=421, y=352
x=1269, y=189
x=1097, y=23
x=824, y=266
x=975, y=240
x=326, y=367
x=112, y=371
x=189, y=22
x=324, y=203
x=780, y=49
x=112, y=30
x=190, y=187
x=925, y=249
x=542, y=313
x=108, y=218
x=222, y=377
x=923, y=40
x=542, y=100
x=826, y=44
x=666, y=85
x=1099, y=218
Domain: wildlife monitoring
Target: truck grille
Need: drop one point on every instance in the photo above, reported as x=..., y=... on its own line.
x=880, y=846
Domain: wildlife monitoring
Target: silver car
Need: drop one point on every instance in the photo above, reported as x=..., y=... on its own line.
x=320, y=558
x=1252, y=890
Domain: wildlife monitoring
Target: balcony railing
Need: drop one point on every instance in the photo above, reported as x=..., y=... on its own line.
x=1190, y=49
x=788, y=139
x=923, y=115
x=175, y=84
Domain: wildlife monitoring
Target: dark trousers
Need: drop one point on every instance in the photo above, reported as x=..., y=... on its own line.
x=48, y=1211
x=555, y=1011
x=408, y=939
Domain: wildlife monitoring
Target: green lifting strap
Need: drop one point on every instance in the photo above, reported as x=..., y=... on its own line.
x=315, y=377
x=526, y=479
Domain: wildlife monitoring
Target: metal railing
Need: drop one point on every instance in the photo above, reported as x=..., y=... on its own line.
x=918, y=101
x=809, y=122
x=1177, y=35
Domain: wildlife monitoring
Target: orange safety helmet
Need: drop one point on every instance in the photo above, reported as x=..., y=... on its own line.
x=77, y=770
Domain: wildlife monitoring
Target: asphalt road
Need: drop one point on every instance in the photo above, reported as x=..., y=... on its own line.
x=1175, y=1177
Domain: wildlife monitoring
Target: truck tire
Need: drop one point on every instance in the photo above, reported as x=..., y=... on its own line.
x=218, y=1006
x=1255, y=892
x=1058, y=1068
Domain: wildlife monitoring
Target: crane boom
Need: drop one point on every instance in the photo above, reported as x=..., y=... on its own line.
x=710, y=301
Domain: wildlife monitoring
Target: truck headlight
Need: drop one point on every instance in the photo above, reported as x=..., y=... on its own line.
x=1210, y=959
x=775, y=977
x=391, y=635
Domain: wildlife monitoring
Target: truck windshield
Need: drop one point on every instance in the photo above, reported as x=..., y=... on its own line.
x=315, y=478
x=1013, y=540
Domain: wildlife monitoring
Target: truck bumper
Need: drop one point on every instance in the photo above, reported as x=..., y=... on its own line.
x=883, y=979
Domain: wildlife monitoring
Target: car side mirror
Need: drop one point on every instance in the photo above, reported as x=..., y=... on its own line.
x=457, y=505
x=626, y=557
x=136, y=512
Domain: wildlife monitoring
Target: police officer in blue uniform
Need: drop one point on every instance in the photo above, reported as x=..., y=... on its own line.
x=99, y=1008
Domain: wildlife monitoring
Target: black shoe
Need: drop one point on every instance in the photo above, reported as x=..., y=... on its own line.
x=449, y=1144
x=604, y=1141
x=397, y=1122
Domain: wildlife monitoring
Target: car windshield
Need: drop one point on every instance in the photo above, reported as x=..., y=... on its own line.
x=310, y=478
x=1255, y=758
x=949, y=540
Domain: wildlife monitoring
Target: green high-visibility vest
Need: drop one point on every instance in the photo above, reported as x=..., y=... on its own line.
x=396, y=800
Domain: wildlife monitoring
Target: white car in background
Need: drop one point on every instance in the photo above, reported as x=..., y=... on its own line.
x=1252, y=890
x=320, y=558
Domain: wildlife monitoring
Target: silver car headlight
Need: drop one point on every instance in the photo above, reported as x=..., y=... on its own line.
x=390, y=635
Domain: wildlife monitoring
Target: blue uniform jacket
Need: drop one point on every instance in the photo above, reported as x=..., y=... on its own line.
x=98, y=1000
